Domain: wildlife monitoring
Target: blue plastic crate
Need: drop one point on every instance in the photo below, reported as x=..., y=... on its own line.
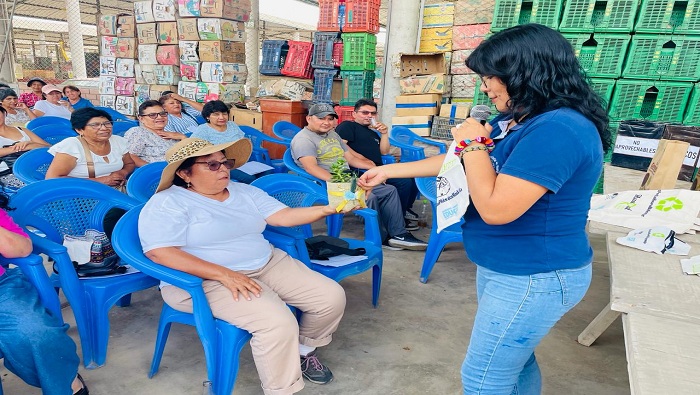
x=323, y=50
x=274, y=54
x=323, y=85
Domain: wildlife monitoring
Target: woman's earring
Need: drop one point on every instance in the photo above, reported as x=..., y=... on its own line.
x=188, y=185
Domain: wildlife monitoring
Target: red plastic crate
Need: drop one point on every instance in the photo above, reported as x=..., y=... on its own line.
x=329, y=17
x=344, y=113
x=337, y=53
x=361, y=16
x=298, y=63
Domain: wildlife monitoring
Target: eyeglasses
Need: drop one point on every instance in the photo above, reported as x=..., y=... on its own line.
x=367, y=112
x=484, y=79
x=215, y=165
x=155, y=115
x=98, y=125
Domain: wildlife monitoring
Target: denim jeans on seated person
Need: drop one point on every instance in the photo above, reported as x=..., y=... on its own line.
x=33, y=342
x=513, y=315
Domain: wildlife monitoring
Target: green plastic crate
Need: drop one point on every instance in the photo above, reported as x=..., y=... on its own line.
x=509, y=13
x=692, y=115
x=356, y=85
x=600, y=55
x=669, y=16
x=663, y=101
x=359, y=51
x=613, y=16
x=613, y=131
x=603, y=87
x=662, y=57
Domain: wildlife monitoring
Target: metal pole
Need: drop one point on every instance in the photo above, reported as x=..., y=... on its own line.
x=252, y=46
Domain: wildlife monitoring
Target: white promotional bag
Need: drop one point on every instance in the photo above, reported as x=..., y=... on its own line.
x=674, y=208
x=452, y=191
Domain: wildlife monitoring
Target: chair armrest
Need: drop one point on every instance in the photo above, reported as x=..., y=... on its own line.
x=43, y=245
x=301, y=253
x=175, y=277
x=273, y=140
x=439, y=145
x=404, y=146
x=387, y=159
x=33, y=268
x=372, y=233
x=284, y=242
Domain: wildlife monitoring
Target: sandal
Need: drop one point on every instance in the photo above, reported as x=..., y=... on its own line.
x=84, y=390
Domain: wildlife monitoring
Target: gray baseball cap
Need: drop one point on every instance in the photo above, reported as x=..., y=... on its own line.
x=322, y=110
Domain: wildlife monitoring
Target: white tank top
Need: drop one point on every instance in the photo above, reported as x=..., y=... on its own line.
x=6, y=141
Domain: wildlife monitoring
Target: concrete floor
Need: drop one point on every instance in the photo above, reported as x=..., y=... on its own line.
x=413, y=343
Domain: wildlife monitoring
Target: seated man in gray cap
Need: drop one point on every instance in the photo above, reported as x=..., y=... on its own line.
x=317, y=146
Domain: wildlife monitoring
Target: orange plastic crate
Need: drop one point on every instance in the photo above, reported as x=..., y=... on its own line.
x=329, y=17
x=361, y=16
x=298, y=63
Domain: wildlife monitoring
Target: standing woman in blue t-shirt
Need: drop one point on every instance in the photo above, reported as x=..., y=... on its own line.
x=531, y=173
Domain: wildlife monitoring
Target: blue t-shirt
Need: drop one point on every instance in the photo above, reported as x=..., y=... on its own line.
x=206, y=132
x=81, y=103
x=560, y=150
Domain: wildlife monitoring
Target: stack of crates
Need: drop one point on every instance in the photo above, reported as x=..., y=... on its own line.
x=346, y=40
x=298, y=62
x=274, y=54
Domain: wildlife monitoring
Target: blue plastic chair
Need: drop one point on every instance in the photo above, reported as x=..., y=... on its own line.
x=297, y=191
x=116, y=115
x=70, y=206
x=48, y=120
x=53, y=134
x=436, y=241
x=120, y=127
x=291, y=165
x=144, y=181
x=222, y=341
x=31, y=166
x=403, y=138
x=260, y=153
x=285, y=130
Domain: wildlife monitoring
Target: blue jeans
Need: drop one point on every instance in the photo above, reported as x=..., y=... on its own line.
x=33, y=342
x=514, y=314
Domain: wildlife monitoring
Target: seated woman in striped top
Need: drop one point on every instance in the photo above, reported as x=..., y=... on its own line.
x=181, y=118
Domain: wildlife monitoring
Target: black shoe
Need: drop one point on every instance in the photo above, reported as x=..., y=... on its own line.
x=408, y=241
x=84, y=390
x=411, y=225
x=411, y=215
x=313, y=370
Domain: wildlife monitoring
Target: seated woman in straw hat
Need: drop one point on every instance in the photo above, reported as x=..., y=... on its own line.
x=201, y=223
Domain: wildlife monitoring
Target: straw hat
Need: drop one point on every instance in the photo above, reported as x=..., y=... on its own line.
x=192, y=147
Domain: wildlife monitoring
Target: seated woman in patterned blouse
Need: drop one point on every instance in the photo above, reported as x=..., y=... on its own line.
x=149, y=141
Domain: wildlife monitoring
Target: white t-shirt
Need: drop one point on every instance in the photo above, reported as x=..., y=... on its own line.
x=227, y=233
x=72, y=146
x=51, y=109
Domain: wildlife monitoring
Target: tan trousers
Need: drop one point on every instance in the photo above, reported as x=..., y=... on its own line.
x=276, y=333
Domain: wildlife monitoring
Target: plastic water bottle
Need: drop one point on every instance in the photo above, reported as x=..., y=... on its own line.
x=423, y=214
x=207, y=388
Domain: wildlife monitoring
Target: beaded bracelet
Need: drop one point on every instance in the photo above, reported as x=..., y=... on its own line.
x=470, y=149
x=488, y=143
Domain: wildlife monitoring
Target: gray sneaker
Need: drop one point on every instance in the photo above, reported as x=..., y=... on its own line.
x=313, y=370
x=411, y=225
x=411, y=215
x=408, y=241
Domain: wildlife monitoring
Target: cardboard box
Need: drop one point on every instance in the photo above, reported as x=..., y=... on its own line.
x=407, y=105
x=469, y=36
x=665, y=165
x=125, y=67
x=438, y=15
x=107, y=85
x=126, y=48
x=141, y=94
x=166, y=75
x=188, y=51
x=187, y=29
x=156, y=91
x=108, y=65
x=168, y=55
x=107, y=25
x=126, y=26
x=147, y=53
x=283, y=88
x=192, y=90
x=143, y=11
x=189, y=71
x=221, y=51
x=164, y=10
x=464, y=85
x=220, y=29
x=107, y=101
x=108, y=46
x=237, y=10
x=455, y=110
x=422, y=64
x=167, y=32
x=147, y=33
x=125, y=105
x=188, y=8
x=246, y=118
x=223, y=72
x=437, y=39
x=124, y=86
x=418, y=124
x=145, y=73
x=457, y=62
x=421, y=84
x=472, y=12
x=227, y=93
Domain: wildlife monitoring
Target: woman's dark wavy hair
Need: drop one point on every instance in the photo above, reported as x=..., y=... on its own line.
x=80, y=117
x=212, y=107
x=541, y=73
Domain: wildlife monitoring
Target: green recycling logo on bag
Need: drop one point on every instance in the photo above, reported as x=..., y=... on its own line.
x=625, y=205
x=668, y=204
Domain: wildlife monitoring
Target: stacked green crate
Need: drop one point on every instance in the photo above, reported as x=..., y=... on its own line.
x=509, y=13
x=604, y=88
x=612, y=16
x=669, y=17
x=692, y=115
x=664, y=101
x=600, y=54
x=669, y=58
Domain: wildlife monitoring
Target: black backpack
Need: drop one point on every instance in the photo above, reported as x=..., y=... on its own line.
x=324, y=247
